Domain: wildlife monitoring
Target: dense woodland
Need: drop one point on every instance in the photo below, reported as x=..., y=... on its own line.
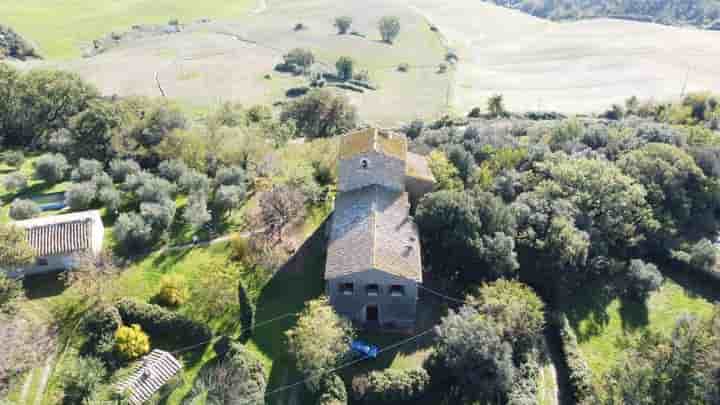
x=528, y=209
x=671, y=12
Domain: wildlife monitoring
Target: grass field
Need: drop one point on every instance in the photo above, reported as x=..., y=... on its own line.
x=62, y=27
x=603, y=328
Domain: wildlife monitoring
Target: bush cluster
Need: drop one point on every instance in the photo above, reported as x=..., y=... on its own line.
x=158, y=321
x=173, y=291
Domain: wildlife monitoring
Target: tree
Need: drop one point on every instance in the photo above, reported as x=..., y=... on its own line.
x=300, y=57
x=51, y=168
x=159, y=215
x=131, y=342
x=11, y=291
x=23, y=209
x=231, y=176
x=389, y=27
x=344, y=66
x=320, y=114
x=445, y=173
x=132, y=233
x=643, y=278
x=194, y=182
x=343, y=24
x=467, y=237
x=92, y=277
x=471, y=359
x=121, y=168
x=15, y=250
x=659, y=369
x=515, y=309
x=14, y=158
x=86, y=169
x=238, y=378
x=196, y=212
x=496, y=107
x=703, y=255
x=110, y=198
x=319, y=339
x=227, y=198
x=158, y=120
x=278, y=207
x=91, y=132
x=81, y=380
x=172, y=170
x=80, y=196
x=463, y=161
x=15, y=181
x=149, y=188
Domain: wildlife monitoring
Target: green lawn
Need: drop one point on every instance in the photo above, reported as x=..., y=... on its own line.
x=603, y=328
x=62, y=27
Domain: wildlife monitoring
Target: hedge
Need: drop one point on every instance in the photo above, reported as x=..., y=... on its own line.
x=580, y=375
x=160, y=322
x=391, y=386
x=247, y=312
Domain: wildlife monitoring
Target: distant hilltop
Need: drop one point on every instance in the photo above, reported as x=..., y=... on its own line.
x=700, y=13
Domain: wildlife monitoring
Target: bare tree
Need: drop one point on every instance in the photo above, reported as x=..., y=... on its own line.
x=92, y=277
x=278, y=208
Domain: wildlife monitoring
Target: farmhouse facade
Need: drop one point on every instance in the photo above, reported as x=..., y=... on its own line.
x=57, y=240
x=374, y=261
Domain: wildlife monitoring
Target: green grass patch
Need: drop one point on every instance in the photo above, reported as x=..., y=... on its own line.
x=62, y=27
x=605, y=326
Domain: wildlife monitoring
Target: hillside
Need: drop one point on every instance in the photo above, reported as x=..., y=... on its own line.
x=701, y=13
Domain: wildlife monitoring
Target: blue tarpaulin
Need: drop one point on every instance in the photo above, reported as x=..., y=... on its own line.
x=365, y=349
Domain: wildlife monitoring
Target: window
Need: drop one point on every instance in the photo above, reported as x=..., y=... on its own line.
x=347, y=288
x=41, y=261
x=373, y=290
x=397, y=291
x=364, y=164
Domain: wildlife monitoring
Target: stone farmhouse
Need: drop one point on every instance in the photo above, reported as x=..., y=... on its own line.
x=57, y=240
x=374, y=261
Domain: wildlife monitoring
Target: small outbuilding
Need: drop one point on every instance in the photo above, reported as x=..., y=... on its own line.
x=154, y=371
x=58, y=240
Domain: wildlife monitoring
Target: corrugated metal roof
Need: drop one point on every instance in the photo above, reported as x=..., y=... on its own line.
x=154, y=371
x=60, y=234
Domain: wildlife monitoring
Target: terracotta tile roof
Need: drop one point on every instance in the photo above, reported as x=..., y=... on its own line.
x=155, y=369
x=372, y=229
x=373, y=139
x=60, y=234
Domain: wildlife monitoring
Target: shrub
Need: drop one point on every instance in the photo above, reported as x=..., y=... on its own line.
x=120, y=169
x=80, y=196
x=51, y=168
x=86, y=170
x=389, y=28
x=131, y=342
x=14, y=158
x=23, y=209
x=100, y=326
x=332, y=391
x=345, y=66
x=343, y=24
x=476, y=112
x=391, y=386
x=11, y=290
x=442, y=68
x=240, y=247
x=81, y=380
x=703, y=255
x=403, y=67
x=299, y=57
x=173, y=291
x=247, y=312
x=259, y=113
x=158, y=321
x=15, y=181
x=132, y=233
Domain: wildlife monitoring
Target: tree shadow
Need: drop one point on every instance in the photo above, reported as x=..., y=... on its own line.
x=586, y=309
x=633, y=314
x=44, y=285
x=696, y=283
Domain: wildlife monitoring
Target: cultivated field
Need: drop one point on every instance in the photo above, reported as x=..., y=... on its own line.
x=577, y=67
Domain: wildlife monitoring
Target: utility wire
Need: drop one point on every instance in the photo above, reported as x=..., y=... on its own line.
x=442, y=295
x=258, y=325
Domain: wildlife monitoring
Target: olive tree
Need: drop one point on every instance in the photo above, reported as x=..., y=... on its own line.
x=343, y=24
x=51, y=168
x=86, y=169
x=15, y=181
x=389, y=27
x=80, y=196
x=23, y=209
